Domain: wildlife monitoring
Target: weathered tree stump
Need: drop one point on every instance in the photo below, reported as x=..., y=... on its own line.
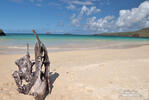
x=37, y=82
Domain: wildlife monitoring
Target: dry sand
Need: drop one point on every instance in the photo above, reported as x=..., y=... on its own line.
x=105, y=74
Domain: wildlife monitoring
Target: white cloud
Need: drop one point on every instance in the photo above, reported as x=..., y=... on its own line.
x=71, y=7
x=77, y=2
x=136, y=17
x=75, y=20
x=101, y=25
x=88, y=11
x=84, y=9
x=88, y=2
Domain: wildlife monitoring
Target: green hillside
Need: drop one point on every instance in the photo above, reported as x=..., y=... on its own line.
x=143, y=33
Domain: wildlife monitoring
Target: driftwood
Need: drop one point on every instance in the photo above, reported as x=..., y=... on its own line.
x=37, y=83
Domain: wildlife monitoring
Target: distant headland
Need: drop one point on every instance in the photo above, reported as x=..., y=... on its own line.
x=2, y=33
x=143, y=33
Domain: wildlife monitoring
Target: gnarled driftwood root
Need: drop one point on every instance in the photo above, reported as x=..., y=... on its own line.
x=38, y=82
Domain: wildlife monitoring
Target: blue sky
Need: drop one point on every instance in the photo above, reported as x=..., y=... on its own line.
x=73, y=16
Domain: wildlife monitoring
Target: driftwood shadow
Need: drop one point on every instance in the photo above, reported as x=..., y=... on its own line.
x=53, y=77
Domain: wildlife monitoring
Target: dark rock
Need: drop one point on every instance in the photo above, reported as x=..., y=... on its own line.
x=2, y=33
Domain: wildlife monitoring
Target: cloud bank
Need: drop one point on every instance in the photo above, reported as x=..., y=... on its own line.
x=136, y=17
x=129, y=19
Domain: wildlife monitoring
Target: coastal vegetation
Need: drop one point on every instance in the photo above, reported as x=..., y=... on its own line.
x=143, y=33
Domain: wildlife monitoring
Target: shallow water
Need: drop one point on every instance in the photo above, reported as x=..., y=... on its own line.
x=16, y=43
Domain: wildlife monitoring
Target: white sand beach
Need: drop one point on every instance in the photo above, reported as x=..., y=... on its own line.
x=102, y=74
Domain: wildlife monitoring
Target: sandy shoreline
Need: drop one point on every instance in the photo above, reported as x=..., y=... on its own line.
x=121, y=45
x=99, y=74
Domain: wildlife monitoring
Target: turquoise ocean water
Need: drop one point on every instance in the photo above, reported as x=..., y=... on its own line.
x=15, y=43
